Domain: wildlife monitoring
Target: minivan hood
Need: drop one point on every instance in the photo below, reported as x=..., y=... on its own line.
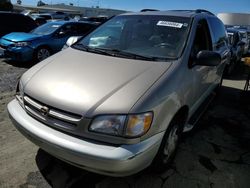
x=89, y=84
x=20, y=36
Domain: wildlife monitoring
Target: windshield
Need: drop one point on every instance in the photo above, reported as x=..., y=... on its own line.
x=46, y=29
x=155, y=37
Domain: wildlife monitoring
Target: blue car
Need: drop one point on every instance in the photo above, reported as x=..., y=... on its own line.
x=42, y=41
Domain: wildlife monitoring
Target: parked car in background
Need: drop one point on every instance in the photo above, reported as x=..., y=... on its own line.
x=42, y=41
x=97, y=19
x=13, y=22
x=119, y=99
x=244, y=38
x=55, y=16
x=236, y=48
x=247, y=29
x=245, y=34
x=38, y=19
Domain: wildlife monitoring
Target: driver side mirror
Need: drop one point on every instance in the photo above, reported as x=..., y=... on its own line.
x=207, y=58
x=72, y=40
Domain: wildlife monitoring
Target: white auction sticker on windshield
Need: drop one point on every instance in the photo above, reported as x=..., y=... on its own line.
x=55, y=25
x=170, y=24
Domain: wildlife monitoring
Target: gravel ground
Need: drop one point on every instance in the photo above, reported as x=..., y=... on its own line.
x=216, y=154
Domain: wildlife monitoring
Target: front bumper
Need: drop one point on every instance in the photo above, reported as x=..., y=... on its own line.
x=21, y=54
x=122, y=160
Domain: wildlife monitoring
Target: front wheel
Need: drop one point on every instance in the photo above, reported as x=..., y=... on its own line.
x=42, y=53
x=168, y=146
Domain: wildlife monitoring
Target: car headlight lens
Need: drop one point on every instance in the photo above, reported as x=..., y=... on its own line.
x=110, y=124
x=122, y=125
x=21, y=44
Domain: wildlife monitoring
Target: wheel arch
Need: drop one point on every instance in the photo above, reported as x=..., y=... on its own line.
x=180, y=116
x=182, y=113
x=44, y=46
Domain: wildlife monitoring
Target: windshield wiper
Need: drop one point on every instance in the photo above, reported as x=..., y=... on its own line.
x=137, y=56
x=91, y=49
x=120, y=53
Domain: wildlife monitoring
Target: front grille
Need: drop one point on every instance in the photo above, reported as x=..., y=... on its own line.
x=51, y=116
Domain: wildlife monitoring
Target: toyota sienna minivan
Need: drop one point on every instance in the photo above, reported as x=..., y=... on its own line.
x=119, y=99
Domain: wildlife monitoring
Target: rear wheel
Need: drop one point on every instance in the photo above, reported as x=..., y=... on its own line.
x=42, y=53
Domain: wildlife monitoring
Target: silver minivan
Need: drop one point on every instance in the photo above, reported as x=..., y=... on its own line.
x=119, y=99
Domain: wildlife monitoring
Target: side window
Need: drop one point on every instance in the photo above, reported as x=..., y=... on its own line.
x=83, y=29
x=67, y=30
x=27, y=24
x=202, y=40
x=219, y=32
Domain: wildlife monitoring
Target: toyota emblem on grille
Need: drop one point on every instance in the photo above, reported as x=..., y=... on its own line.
x=44, y=110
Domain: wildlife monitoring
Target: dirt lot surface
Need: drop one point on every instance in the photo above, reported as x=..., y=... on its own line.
x=216, y=154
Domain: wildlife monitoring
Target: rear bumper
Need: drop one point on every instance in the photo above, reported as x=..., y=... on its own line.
x=120, y=160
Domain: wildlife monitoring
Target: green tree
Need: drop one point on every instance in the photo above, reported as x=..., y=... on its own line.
x=5, y=5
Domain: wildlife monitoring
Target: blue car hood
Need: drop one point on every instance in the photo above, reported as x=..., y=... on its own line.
x=19, y=36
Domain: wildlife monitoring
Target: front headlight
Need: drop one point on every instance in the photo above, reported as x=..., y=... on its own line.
x=110, y=124
x=21, y=44
x=122, y=125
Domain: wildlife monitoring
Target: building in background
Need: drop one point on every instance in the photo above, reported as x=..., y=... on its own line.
x=84, y=11
x=236, y=19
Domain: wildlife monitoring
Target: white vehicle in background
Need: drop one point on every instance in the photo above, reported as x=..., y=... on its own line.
x=244, y=38
x=243, y=34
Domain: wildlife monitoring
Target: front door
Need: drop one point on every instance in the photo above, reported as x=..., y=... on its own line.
x=203, y=75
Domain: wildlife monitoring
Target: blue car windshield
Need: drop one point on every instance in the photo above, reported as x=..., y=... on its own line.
x=46, y=29
x=161, y=37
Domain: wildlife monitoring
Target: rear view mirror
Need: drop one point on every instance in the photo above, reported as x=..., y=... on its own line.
x=208, y=58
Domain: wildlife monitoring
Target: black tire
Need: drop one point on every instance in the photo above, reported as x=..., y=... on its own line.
x=230, y=68
x=165, y=153
x=41, y=53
